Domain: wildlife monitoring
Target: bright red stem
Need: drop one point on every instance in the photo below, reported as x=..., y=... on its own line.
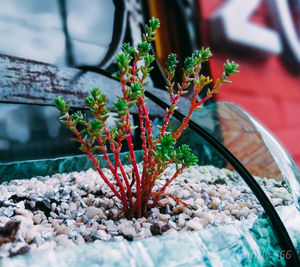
x=144, y=144
x=194, y=104
x=169, y=113
x=135, y=168
x=115, y=173
x=118, y=162
x=167, y=183
x=148, y=124
x=92, y=158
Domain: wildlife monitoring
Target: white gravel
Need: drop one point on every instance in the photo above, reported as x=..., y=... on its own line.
x=70, y=209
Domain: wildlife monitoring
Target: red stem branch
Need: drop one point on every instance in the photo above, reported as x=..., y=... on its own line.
x=134, y=165
x=114, y=172
x=93, y=159
x=118, y=162
x=168, y=182
x=174, y=101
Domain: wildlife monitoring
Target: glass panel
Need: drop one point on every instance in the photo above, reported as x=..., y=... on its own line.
x=30, y=132
x=234, y=230
x=252, y=144
x=33, y=29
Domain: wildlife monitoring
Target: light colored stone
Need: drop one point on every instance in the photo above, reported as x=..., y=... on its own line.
x=46, y=246
x=208, y=217
x=235, y=193
x=126, y=229
x=194, y=224
x=214, y=202
x=64, y=241
x=72, y=206
x=65, y=205
x=93, y=211
x=276, y=201
x=199, y=202
x=31, y=234
x=104, y=236
x=110, y=226
x=37, y=218
x=62, y=229
x=181, y=220
x=163, y=217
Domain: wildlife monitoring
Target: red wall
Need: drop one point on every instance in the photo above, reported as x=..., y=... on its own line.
x=265, y=87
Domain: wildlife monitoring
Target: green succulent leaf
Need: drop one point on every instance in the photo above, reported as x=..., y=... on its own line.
x=120, y=106
x=127, y=49
x=154, y=23
x=188, y=65
x=230, y=68
x=172, y=62
x=95, y=92
x=205, y=53
x=143, y=48
x=95, y=125
x=165, y=149
x=60, y=104
x=148, y=59
x=185, y=157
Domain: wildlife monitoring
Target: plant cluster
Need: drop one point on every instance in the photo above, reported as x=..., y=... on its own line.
x=158, y=154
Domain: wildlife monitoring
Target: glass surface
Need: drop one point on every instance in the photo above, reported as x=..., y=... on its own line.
x=251, y=143
x=248, y=241
x=33, y=29
x=32, y=132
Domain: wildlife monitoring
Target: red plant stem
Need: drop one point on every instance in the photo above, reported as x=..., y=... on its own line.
x=168, y=182
x=148, y=124
x=144, y=144
x=129, y=141
x=134, y=78
x=115, y=173
x=149, y=161
x=170, y=112
x=194, y=105
x=134, y=165
x=92, y=158
x=123, y=83
x=173, y=178
x=152, y=179
x=113, y=170
x=177, y=199
x=118, y=162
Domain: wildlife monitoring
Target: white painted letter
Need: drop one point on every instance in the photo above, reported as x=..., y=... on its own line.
x=231, y=27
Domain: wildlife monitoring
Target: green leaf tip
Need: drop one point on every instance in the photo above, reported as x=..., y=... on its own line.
x=95, y=125
x=127, y=49
x=185, y=157
x=60, y=104
x=143, y=48
x=230, y=68
x=154, y=23
x=172, y=62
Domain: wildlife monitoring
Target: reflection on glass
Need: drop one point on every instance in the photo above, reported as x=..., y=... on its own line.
x=33, y=29
x=252, y=144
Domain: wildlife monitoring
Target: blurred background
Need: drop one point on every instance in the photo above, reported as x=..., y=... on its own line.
x=263, y=36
